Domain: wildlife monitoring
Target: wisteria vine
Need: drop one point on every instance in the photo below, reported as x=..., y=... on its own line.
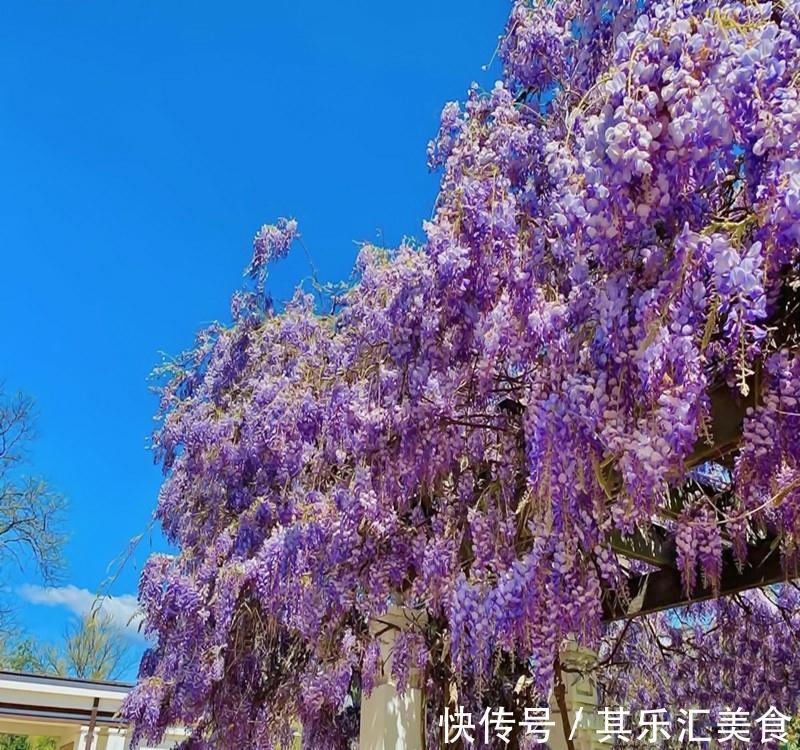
x=473, y=420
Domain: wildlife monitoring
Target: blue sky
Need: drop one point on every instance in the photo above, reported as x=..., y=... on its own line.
x=142, y=145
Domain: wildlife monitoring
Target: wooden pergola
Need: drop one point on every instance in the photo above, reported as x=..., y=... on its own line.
x=662, y=588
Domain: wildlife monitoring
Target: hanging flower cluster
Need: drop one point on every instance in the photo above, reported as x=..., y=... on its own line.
x=615, y=241
x=738, y=653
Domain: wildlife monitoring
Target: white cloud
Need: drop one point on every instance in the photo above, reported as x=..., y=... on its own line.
x=122, y=611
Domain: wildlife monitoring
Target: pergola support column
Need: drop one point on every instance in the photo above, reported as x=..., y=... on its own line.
x=580, y=698
x=390, y=721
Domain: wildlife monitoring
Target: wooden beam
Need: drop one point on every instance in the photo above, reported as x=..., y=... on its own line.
x=663, y=589
x=727, y=413
x=726, y=418
x=653, y=548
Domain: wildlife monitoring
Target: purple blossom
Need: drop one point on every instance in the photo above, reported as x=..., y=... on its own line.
x=469, y=424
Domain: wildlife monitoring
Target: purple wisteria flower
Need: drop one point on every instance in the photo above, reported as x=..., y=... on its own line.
x=470, y=425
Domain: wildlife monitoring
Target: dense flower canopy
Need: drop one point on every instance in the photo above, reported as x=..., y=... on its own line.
x=466, y=428
x=740, y=653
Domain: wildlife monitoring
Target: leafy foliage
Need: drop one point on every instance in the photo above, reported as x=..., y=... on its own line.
x=17, y=742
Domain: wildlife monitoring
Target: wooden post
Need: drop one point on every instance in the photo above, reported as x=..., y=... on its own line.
x=92, y=724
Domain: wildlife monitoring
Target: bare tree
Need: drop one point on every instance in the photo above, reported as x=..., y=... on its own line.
x=30, y=512
x=93, y=649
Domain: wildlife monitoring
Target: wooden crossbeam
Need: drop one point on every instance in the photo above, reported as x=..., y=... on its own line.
x=653, y=548
x=663, y=589
x=727, y=413
x=726, y=418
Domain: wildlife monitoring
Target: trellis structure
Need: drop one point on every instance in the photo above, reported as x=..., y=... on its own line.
x=662, y=588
